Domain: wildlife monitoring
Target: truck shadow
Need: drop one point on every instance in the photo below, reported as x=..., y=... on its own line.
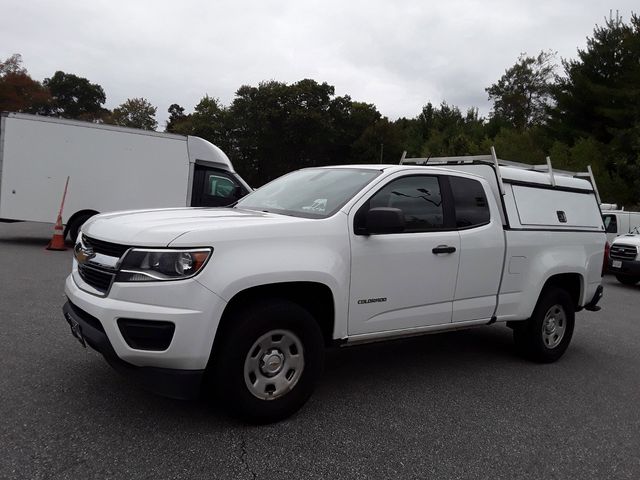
x=349, y=372
x=459, y=348
x=27, y=241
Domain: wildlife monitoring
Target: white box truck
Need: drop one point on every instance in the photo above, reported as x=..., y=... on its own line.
x=618, y=221
x=110, y=168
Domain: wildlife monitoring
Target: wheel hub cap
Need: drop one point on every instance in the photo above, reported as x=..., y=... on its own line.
x=272, y=362
x=553, y=326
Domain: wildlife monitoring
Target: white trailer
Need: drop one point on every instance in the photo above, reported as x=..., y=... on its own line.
x=110, y=168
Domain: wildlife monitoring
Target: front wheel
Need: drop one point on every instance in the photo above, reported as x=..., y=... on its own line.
x=269, y=361
x=627, y=280
x=546, y=335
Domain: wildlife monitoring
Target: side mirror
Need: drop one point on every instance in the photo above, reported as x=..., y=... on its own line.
x=385, y=220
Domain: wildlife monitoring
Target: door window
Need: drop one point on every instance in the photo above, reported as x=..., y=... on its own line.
x=610, y=223
x=218, y=186
x=214, y=188
x=418, y=197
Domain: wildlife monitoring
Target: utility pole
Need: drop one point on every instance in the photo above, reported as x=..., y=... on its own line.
x=381, y=151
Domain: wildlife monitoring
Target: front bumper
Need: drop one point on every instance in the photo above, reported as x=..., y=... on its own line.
x=173, y=383
x=627, y=267
x=194, y=310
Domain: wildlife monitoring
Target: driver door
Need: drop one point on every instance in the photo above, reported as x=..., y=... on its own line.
x=402, y=281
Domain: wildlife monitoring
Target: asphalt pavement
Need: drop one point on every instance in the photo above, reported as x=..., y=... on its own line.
x=454, y=405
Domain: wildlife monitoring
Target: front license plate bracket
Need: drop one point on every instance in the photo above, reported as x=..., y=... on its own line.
x=76, y=330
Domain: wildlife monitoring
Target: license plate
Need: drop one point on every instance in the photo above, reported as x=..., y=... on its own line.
x=616, y=263
x=76, y=330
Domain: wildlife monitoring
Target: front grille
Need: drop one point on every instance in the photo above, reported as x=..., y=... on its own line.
x=623, y=252
x=105, y=248
x=99, y=279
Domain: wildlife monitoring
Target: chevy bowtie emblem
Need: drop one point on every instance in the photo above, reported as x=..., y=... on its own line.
x=83, y=254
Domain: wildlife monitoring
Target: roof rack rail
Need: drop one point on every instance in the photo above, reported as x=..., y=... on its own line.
x=495, y=162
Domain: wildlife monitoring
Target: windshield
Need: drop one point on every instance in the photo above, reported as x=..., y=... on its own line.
x=309, y=193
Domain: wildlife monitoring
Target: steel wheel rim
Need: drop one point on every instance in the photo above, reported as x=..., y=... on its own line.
x=554, y=326
x=274, y=364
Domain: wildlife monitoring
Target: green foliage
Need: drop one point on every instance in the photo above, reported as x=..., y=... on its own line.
x=599, y=95
x=275, y=128
x=523, y=94
x=446, y=132
x=75, y=97
x=527, y=146
x=380, y=142
x=134, y=113
x=598, y=103
x=176, y=118
x=18, y=91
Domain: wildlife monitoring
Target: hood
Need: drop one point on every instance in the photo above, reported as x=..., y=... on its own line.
x=628, y=239
x=155, y=228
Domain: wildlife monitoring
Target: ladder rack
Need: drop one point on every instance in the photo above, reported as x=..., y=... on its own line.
x=493, y=161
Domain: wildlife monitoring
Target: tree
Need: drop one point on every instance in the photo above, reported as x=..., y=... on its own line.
x=381, y=142
x=447, y=132
x=18, y=91
x=278, y=127
x=176, y=118
x=598, y=98
x=135, y=113
x=75, y=97
x=523, y=93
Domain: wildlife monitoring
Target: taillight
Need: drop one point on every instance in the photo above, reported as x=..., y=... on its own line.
x=605, y=261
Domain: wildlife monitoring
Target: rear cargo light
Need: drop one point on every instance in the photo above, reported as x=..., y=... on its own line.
x=605, y=261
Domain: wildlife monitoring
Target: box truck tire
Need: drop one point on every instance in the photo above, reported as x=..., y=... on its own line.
x=76, y=222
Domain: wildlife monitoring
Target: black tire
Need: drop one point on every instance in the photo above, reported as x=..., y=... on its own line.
x=232, y=378
x=73, y=227
x=539, y=338
x=627, y=280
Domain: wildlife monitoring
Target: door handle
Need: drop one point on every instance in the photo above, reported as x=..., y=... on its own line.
x=443, y=249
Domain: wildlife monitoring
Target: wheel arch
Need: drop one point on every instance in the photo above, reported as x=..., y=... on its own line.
x=316, y=297
x=572, y=283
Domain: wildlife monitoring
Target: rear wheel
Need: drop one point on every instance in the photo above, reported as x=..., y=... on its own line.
x=546, y=335
x=627, y=280
x=269, y=361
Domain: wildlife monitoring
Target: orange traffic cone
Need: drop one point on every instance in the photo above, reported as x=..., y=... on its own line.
x=57, y=241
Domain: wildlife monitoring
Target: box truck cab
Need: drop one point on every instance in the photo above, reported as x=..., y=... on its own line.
x=109, y=168
x=618, y=222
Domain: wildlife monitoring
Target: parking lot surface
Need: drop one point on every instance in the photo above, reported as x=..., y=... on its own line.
x=454, y=405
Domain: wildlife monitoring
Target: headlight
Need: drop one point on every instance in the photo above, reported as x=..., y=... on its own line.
x=151, y=265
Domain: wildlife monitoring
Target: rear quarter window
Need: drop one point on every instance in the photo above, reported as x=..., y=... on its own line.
x=470, y=202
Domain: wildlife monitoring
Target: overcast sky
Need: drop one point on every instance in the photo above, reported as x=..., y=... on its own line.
x=398, y=55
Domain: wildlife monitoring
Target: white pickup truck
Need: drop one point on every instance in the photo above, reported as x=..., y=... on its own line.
x=624, y=258
x=244, y=300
